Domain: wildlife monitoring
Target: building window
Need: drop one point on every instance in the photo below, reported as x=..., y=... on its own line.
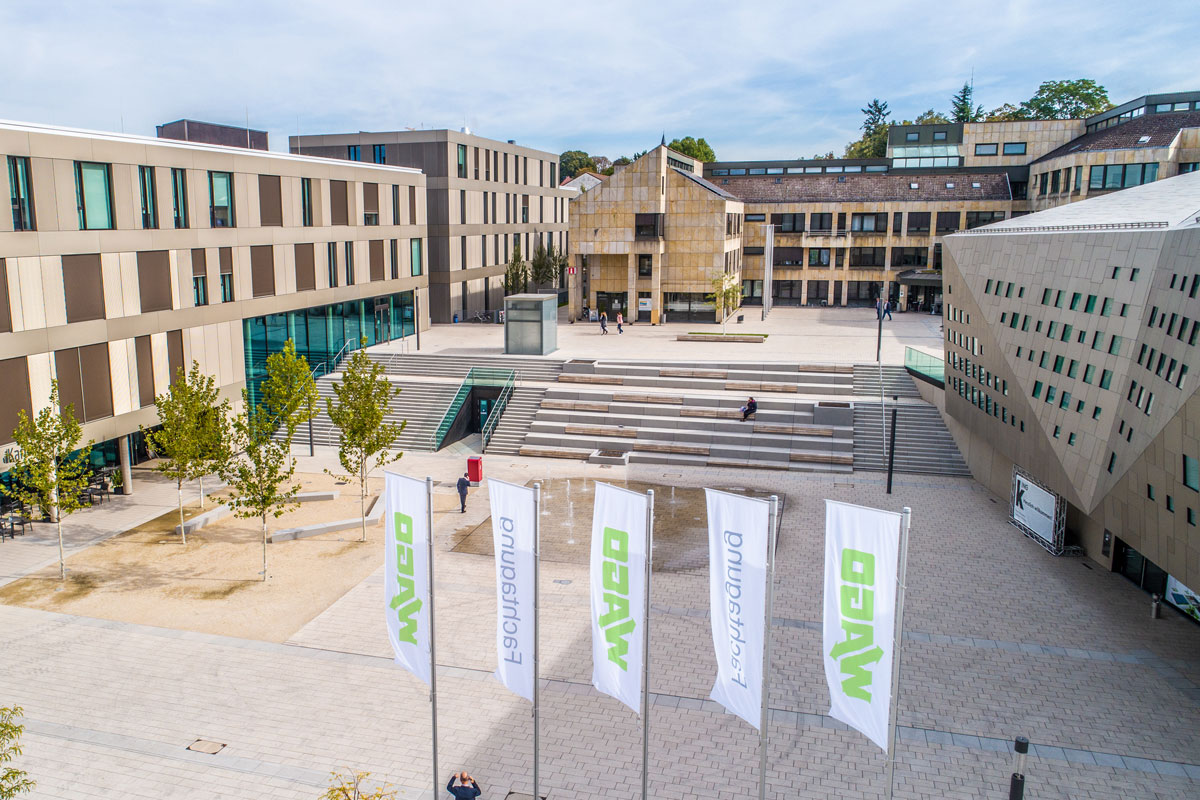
x=948, y=221
x=912, y=136
x=200, y=290
x=647, y=226
x=394, y=251
x=787, y=223
x=220, y=194
x=1191, y=473
x=349, y=263
x=820, y=223
x=21, y=192
x=525, y=208
x=331, y=256
x=353, y=152
x=818, y=256
x=1121, y=176
x=149, y=198
x=462, y=161
x=645, y=265
x=976, y=219
x=306, y=202
x=911, y=257
x=987, y=149
x=918, y=222
x=939, y=136
x=379, y=153
x=868, y=223
x=93, y=196
x=226, y=287
x=1014, y=148
x=867, y=256
x=179, y=197
x=415, y=246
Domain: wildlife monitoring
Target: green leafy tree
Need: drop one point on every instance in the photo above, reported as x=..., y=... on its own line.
x=822, y=156
x=12, y=780
x=930, y=117
x=358, y=409
x=962, y=105
x=561, y=261
x=696, y=148
x=190, y=439
x=1075, y=99
x=51, y=469
x=573, y=162
x=516, y=274
x=873, y=143
x=349, y=787
x=289, y=394
x=1006, y=113
x=261, y=471
x=726, y=296
x=622, y=161
x=542, y=268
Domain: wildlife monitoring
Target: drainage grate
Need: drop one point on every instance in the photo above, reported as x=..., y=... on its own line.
x=206, y=747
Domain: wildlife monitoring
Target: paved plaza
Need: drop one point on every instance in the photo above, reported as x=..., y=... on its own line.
x=1002, y=640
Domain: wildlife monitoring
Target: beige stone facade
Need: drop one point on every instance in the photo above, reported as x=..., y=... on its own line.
x=124, y=260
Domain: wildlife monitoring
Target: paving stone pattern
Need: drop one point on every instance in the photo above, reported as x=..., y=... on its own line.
x=1002, y=640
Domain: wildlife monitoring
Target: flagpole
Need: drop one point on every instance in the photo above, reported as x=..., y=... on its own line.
x=537, y=675
x=646, y=649
x=905, y=519
x=432, y=638
x=764, y=738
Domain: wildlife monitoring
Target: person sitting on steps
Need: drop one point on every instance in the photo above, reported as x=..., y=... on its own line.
x=749, y=409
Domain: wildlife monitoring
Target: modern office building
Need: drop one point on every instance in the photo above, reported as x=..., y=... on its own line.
x=125, y=258
x=657, y=232
x=485, y=198
x=191, y=130
x=1071, y=363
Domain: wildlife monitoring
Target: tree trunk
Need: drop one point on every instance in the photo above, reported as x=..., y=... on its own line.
x=264, y=537
x=201, y=492
x=362, y=499
x=182, y=530
x=62, y=561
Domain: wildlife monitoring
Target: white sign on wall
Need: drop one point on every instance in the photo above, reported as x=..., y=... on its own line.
x=1036, y=511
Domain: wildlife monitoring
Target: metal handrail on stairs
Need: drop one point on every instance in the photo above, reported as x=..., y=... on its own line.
x=476, y=376
x=493, y=420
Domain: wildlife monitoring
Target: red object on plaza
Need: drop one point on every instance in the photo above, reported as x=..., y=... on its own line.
x=475, y=470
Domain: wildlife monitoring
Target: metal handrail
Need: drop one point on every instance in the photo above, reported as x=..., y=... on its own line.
x=484, y=376
x=1097, y=226
x=493, y=420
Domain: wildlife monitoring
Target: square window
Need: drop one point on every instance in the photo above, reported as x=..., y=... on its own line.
x=1058, y=364
x=1106, y=307
x=1066, y=334
x=1191, y=473
x=1073, y=368
x=1075, y=298
x=1106, y=379
x=1065, y=401
x=1071, y=440
x=1037, y=389
x=1114, y=345
x=1089, y=372
x=1051, y=392
x=1133, y=274
x=1090, y=306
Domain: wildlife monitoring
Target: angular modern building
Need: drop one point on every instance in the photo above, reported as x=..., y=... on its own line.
x=1072, y=351
x=125, y=258
x=485, y=198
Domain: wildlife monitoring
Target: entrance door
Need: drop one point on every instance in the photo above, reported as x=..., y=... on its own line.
x=644, y=303
x=485, y=408
x=383, y=323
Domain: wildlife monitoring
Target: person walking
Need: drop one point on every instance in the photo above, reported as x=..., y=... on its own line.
x=463, y=485
x=887, y=309
x=749, y=409
x=604, y=323
x=620, y=322
x=878, y=308
x=463, y=791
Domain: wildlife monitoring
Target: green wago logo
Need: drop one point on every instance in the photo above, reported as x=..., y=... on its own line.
x=856, y=605
x=616, y=622
x=406, y=604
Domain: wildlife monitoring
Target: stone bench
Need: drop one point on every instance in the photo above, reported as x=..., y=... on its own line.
x=374, y=515
x=200, y=520
x=793, y=430
x=555, y=452
x=312, y=497
x=748, y=386
x=716, y=337
x=574, y=405
x=583, y=378
x=664, y=399
x=602, y=430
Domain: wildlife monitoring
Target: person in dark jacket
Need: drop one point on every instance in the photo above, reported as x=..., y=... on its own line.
x=749, y=409
x=463, y=485
x=603, y=323
x=463, y=791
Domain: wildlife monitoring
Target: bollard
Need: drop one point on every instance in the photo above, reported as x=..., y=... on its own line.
x=1016, y=786
x=1155, y=601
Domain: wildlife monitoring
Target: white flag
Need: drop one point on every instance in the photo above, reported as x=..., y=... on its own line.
x=513, y=519
x=618, y=577
x=406, y=571
x=861, y=548
x=738, y=536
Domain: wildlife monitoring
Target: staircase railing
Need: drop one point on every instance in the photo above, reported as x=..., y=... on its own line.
x=493, y=420
x=476, y=376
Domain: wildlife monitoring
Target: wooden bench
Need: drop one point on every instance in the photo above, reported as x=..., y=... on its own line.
x=746, y=386
x=693, y=373
x=845, y=459
x=733, y=462
x=681, y=449
x=568, y=377
x=716, y=413
x=555, y=452
x=826, y=368
x=574, y=405
x=602, y=430
x=792, y=430
x=664, y=399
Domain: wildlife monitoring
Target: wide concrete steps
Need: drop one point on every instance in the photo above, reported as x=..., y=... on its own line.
x=753, y=379
x=514, y=424
x=896, y=381
x=449, y=365
x=923, y=445
x=419, y=405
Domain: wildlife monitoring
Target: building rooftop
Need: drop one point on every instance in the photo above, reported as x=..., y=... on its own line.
x=882, y=187
x=705, y=184
x=1158, y=130
x=1169, y=203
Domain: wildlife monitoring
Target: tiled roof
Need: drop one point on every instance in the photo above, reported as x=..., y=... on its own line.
x=1161, y=128
x=882, y=187
x=710, y=186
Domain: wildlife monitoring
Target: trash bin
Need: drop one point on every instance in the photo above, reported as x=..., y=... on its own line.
x=475, y=470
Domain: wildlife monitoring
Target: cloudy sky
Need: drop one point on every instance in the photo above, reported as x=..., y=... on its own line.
x=761, y=79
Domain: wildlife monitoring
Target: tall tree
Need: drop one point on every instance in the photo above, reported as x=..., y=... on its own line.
x=359, y=410
x=289, y=394
x=1075, y=99
x=1006, y=113
x=962, y=105
x=873, y=143
x=561, y=261
x=12, y=780
x=602, y=163
x=930, y=117
x=696, y=148
x=516, y=274
x=726, y=296
x=190, y=438
x=541, y=267
x=51, y=469
x=573, y=162
x=260, y=474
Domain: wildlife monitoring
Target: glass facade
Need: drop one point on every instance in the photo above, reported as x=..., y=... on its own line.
x=320, y=332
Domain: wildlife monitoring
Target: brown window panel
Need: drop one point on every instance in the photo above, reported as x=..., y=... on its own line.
x=83, y=285
x=174, y=354
x=5, y=307
x=70, y=381
x=97, y=381
x=270, y=201
x=154, y=280
x=306, y=271
x=262, y=270
x=339, y=210
x=370, y=198
x=144, y=354
x=225, y=258
x=199, y=262
x=412, y=205
x=376, y=258
x=14, y=377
